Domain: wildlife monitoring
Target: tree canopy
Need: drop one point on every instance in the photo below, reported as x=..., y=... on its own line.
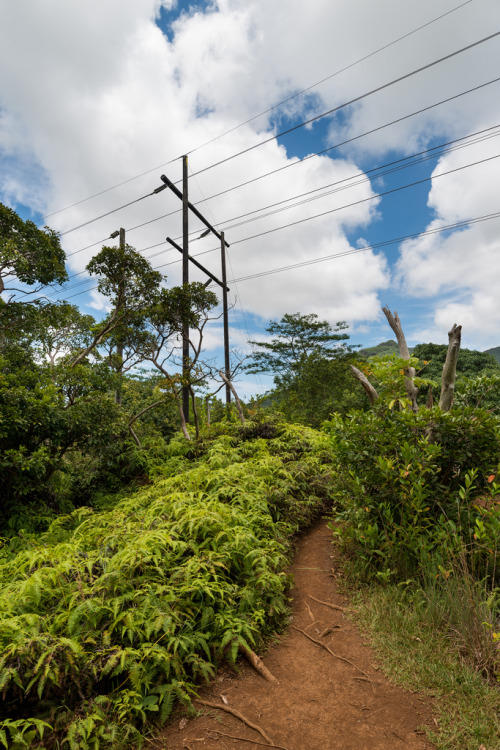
x=27, y=253
x=296, y=337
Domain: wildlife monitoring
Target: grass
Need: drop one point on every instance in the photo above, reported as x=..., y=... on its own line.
x=417, y=655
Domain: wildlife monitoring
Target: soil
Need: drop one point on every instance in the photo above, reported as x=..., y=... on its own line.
x=322, y=701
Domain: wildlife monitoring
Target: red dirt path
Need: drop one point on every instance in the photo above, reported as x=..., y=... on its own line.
x=321, y=702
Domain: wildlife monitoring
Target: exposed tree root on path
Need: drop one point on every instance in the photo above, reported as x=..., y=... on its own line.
x=327, y=604
x=238, y=715
x=327, y=648
x=245, y=739
x=258, y=664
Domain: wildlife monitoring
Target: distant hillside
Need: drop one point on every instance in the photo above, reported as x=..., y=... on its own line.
x=386, y=347
x=495, y=351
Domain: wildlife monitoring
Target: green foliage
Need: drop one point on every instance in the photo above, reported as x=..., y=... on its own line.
x=126, y=277
x=409, y=482
x=481, y=391
x=469, y=364
x=110, y=617
x=310, y=361
x=381, y=350
x=316, y=389
x=30, y=254
x=296, y=338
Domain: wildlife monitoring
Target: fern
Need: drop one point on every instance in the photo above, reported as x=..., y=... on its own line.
x=138, y=602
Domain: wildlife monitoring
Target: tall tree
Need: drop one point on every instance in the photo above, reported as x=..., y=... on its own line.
x=27, y=253
x=296, y=337
x=129, y=281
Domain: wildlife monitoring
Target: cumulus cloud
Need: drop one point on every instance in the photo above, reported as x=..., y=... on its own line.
x=456, y=270
x=97, y=96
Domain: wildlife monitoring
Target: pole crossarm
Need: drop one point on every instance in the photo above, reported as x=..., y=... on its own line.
x=202, y=268
x=197, y=213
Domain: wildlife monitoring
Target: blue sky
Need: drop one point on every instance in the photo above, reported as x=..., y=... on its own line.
x=96, y=104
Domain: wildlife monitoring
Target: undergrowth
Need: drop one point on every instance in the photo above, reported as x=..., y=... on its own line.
x=113, y=615
x=416, y=652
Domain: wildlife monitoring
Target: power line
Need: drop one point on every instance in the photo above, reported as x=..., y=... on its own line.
x=374, y=246
x=384, y=243
x=355, y=203
x=356, y=99
x=353, y=182
x=337, y=208
x=113, y=211
x=327, y=78
x=351, y=140
x=302, y=161
x=275, y=106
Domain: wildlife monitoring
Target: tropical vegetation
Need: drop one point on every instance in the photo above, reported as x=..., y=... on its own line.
x=140, y=550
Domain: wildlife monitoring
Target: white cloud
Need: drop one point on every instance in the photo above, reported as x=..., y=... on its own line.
x=95, y=95
x=457, y=271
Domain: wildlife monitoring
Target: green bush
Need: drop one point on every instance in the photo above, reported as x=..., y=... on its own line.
x=110, y=617
x=407, y=483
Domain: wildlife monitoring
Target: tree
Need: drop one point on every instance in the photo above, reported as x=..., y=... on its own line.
x=162, y=345
x=131, y=285
x=296, y=337
x=62, y=329
x=30, y=254
x=310, y=361
x=407, y=366
x=469, y=364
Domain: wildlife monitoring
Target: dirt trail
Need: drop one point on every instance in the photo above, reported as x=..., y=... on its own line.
x=322, y=702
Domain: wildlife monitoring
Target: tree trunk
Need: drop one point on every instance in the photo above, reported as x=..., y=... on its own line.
x=450, y=368
x=181, y=415
x=370, y=390
x=396, y=326
x=236, y=399
x=195, y=414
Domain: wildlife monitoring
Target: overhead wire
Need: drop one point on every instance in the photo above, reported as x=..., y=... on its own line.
x=296, y=163
x=302, y=124
x=383, y=243
x=327, y=78
x=324, y=213
x=374, y=246
x=275, y=106
x=354, y=100
x=398, y=164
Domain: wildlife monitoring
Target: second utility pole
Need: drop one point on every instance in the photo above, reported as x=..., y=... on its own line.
x=185, y=282
x=227, y=365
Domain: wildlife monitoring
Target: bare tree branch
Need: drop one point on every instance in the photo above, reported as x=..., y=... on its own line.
x=450, y=368
x=237, y=400
x=396, y=326
x=370, y=390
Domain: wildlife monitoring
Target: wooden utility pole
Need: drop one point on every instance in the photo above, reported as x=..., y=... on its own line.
x=120, y=304
x=186, y=258
x=185, y=282
x=227, y=366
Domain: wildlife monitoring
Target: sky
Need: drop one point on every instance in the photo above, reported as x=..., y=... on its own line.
x=389, y=199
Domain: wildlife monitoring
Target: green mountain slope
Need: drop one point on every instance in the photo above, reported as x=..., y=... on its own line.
x=495, y=351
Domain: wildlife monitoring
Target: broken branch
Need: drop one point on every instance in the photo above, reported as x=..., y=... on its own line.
x=370, y=390
x=258, y=664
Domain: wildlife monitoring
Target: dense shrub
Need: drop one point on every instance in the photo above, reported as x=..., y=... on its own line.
x=407, y=482
x=111, y=616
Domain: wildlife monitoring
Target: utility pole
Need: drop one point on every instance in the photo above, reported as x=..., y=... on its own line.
x=186, y=258
x=185, y=282
x=225, y=318
x=120, y=304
